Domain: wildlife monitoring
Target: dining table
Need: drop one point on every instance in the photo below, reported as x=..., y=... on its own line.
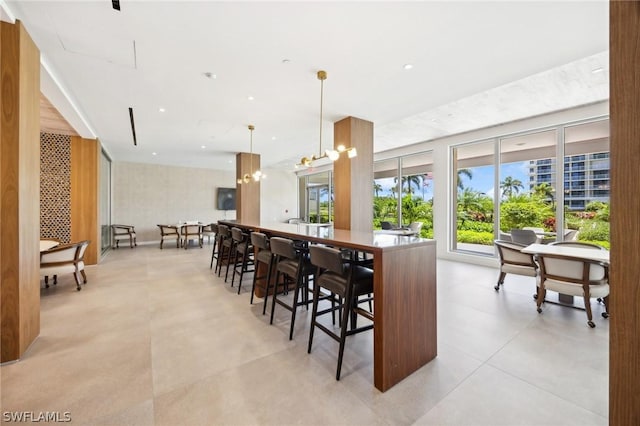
x=404, y=290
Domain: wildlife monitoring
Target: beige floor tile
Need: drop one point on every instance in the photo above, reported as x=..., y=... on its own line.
x=156, y=338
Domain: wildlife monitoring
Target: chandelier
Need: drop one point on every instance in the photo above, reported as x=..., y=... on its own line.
x=257, y=175
x=331, y=154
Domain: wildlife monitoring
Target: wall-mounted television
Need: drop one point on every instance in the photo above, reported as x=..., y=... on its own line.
x=226, y=199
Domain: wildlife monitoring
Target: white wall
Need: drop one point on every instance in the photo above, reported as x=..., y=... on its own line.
x=145, y=195
x=278, y=196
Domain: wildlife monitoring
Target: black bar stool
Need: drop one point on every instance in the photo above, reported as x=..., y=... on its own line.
x=292, y=262
x=216, y=245
x=224, y=250
x=347, y=280
x=263, y=255
x=243, y=257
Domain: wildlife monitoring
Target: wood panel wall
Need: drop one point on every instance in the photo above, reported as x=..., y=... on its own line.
x=353, y=177
x=19, y=191
x=624, y=353
x=247, y=194
x=85, y=160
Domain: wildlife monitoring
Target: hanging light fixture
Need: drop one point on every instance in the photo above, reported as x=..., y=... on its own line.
x=257, y=175
x=331, y=154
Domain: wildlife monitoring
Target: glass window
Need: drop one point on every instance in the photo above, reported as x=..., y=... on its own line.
x=532, y=204
x=586, y=213
x=417, y=191
x=385, y=193
x=474, y=177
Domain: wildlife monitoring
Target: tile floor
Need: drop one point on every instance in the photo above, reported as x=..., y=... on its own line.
x=155, y=338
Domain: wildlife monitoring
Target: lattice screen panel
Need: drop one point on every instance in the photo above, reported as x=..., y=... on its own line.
x=55, y=186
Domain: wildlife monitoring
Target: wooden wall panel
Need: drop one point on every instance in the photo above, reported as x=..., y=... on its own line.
x=85, y=157
x=353, y=178
x=624, y=353
x=19, y=190
x=247, y=194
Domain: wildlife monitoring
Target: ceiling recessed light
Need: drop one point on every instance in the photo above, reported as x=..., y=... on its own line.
x=597, y=70
x=162, y=110
x=250, y=98
x=153, y=153
x=273, y=138
x=230, y=161
x=286, y=61
x=520, y=143
x=210, y=75
x=407, y=66
x=203, y=147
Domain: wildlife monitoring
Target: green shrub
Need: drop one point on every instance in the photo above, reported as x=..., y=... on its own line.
x=594, y=231
x=519, y=215
x=472, y=237
x=472, y=225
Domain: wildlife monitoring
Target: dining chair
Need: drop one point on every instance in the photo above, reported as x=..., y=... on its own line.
x=191, y=232
x=124, y=232
x=345, y=281
x=169, y=232
x=64, y=259
x=513, y=261
x=524, y=236
x=574, y=276
x=416, y=227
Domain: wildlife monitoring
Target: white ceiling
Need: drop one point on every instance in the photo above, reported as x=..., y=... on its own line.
x=474, y=64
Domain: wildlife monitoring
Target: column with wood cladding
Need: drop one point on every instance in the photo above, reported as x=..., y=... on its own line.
x=624, y=272
x=19, y=190
x=247, y=193
x=85, y=160
x=353, y=177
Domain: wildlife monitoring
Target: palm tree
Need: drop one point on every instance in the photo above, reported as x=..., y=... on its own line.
x=377, y=188
x=544, y=191
x=510, y=186
x=410, y=180
x=466, y=172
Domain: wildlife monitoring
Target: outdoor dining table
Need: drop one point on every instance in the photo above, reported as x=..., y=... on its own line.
x=569, y=251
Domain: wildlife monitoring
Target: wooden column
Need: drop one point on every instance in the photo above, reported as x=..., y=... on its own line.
x=247, y=194
x=85, y=160
x=353, y=177
x=624, y=304
x=19, y=190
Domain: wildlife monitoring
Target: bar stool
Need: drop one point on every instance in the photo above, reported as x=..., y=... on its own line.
x=243, y=257
x=263, y=255
x=224, y=250
x=347, y=280
x=293, y=263
x=216, y=238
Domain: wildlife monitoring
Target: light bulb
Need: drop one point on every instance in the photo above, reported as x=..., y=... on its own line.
x=332, y=154
x=352, y=152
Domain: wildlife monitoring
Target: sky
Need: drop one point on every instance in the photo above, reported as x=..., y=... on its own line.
x=481, y=181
